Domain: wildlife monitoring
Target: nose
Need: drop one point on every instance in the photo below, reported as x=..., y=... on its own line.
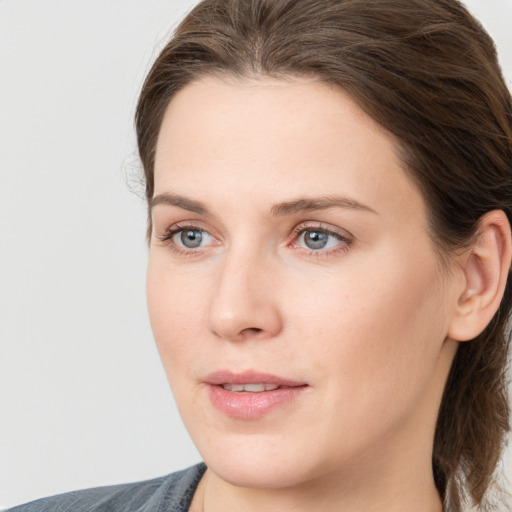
x=244, y=302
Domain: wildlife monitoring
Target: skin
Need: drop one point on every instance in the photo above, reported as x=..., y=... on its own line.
x=355, y=320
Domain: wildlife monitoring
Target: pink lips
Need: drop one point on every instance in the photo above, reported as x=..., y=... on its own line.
x=247, y=404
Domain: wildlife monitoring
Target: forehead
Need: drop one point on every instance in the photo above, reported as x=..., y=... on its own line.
x=256, y=111
x=271, y=136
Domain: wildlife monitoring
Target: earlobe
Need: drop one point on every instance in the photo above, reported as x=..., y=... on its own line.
x=485, y=266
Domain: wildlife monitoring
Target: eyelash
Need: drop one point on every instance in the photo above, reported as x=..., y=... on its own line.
x=345, y=240
x=169, y=234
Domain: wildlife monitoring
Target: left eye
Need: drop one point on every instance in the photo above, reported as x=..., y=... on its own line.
x=317, y=239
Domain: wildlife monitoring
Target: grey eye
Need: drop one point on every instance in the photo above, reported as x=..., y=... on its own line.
x=191, y=238
x=315, y=239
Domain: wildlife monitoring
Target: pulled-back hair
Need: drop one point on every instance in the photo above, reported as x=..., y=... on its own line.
x=427, y=72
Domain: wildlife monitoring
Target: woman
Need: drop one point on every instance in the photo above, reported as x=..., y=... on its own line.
x=329, y=191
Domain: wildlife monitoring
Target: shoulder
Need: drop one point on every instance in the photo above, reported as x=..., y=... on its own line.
x=171, y=493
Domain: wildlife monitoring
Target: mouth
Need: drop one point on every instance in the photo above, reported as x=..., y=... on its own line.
x=249, y=388
x=251, y=395
x=252, y=380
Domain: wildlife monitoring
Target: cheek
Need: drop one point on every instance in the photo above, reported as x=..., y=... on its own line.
x=376, y=333
x=175, y=313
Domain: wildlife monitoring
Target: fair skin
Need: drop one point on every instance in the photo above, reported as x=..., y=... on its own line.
x=288, y=240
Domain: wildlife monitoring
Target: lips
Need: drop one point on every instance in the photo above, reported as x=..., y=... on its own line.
x=249, y=377
x=251, y=395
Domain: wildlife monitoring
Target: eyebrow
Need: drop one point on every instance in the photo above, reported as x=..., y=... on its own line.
x=280, y=209
x=318, y=203
x=179, y=201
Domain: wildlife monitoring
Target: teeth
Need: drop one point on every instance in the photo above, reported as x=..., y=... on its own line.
x=250, y=388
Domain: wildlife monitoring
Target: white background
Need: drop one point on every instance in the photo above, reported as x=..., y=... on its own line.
x=83, y=398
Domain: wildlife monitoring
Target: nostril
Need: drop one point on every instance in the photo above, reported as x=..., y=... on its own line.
x=236, y=319
x=251, y=330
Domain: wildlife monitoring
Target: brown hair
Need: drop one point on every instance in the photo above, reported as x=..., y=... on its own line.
x=426, y=71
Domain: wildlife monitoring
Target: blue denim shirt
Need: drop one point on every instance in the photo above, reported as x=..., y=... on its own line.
x=171, y=493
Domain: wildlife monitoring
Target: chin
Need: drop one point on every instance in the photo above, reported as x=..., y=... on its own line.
x=270, y=474
x=262, y=461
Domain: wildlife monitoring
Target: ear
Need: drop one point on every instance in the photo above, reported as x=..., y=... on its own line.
x=485, y=267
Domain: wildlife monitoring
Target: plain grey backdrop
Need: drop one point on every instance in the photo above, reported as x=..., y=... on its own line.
x=83, y=398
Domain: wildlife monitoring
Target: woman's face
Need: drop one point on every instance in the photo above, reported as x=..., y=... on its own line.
x=296, y=299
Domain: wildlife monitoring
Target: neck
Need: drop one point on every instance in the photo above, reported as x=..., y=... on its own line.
x=407, y=489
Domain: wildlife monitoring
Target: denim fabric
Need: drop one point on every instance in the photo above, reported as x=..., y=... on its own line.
x=171, y=493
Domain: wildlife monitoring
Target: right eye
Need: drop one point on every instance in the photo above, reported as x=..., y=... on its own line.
x=190, y=238
x=183, y=239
